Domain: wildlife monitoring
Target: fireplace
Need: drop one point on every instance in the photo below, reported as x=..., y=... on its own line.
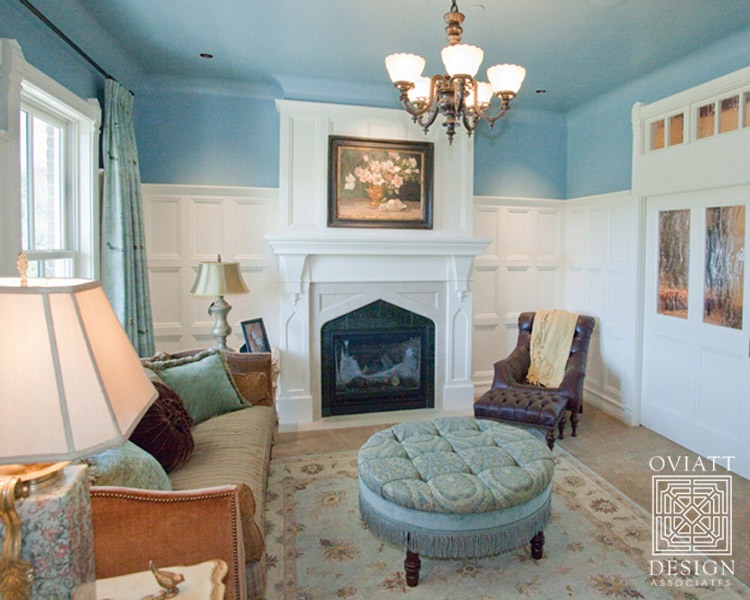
x=377, y=358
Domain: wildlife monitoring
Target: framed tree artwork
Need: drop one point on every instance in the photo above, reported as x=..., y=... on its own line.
x=379, y=183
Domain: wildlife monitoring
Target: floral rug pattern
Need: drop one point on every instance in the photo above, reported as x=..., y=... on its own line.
x=598, y=545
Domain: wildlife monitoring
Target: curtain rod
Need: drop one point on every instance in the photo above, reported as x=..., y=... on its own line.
x=67, y=40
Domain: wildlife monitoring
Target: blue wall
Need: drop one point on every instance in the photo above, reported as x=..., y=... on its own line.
x=524, y=155
x=47, y=52
x=194, y=137
x=204, y=134
x=600, y=137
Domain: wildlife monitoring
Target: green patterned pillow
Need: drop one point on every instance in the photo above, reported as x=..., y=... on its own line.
x=203, y=382
x=127, y=466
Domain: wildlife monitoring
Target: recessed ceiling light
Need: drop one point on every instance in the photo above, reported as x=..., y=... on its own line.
x=477, y=7
x=206, y=55
x=541, y=91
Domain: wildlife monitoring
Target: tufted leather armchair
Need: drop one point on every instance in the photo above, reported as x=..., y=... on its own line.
x=511, y=371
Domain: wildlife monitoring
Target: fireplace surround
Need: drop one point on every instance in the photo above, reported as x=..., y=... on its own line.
x=377, y=358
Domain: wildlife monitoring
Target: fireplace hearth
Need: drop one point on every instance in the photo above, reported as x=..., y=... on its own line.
x=377, y=358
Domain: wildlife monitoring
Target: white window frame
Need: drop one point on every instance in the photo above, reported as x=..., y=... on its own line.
x=21, y=83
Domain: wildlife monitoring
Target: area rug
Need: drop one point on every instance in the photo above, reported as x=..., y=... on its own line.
x=598, y=545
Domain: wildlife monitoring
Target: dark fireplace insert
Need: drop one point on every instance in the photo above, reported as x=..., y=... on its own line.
x=377, y=358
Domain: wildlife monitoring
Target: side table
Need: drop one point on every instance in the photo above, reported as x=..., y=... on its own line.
x=203, y=581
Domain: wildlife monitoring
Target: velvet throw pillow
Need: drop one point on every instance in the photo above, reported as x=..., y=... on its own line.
x=254, y=388
x=203, y=382
x=127, y=466
x=164, y=431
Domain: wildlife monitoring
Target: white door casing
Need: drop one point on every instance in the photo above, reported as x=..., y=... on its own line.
x=695, y=377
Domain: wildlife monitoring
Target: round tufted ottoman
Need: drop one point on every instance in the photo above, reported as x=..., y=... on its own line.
x=455, y=487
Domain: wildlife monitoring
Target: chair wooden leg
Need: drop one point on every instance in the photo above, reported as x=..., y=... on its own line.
x=537, y=546
x=574, y=421
x=561, y=426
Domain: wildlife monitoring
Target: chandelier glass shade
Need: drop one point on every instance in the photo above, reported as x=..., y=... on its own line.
x=459, y=97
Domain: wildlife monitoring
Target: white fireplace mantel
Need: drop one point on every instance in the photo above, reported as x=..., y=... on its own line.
x=304, y=258
x=326, y=272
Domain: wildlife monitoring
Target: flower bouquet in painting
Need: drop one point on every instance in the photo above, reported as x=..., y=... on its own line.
x=383, y=175
x=380, y=183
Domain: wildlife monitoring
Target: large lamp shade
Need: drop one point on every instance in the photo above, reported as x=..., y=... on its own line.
x=71, y=383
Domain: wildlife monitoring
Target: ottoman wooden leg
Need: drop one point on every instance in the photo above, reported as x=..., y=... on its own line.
x=537, y=545
x=561, y=426
x=412, y=565
x=550, y=437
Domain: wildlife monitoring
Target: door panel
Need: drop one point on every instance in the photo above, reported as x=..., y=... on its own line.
x=696, y=373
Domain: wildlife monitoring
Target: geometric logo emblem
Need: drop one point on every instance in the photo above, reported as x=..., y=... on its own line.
x=692, y=514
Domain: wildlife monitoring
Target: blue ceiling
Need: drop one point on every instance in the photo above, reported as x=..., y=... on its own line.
x=575, y=49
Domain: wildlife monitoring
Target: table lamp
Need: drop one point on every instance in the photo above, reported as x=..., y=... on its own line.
x=71, y=385
x=217, y=279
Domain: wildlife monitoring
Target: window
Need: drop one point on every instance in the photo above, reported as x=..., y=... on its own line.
x=58, y=155
x=46, y=203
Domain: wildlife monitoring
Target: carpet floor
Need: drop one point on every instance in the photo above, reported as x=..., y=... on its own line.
x=598, y=545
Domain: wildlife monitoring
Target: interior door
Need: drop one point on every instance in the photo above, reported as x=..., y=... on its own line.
x=696, y=359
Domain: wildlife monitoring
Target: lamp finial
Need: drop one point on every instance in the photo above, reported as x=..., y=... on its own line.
x=22, y=264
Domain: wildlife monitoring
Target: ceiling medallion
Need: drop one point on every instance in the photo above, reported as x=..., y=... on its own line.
x=457, y=96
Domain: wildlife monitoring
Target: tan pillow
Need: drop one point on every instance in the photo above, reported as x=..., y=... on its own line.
x=153, y=376
x=254, y=388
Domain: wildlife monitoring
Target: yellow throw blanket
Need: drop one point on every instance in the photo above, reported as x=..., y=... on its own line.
x=551, y=339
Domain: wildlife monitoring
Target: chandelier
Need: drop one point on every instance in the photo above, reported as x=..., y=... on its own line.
x=457, y=95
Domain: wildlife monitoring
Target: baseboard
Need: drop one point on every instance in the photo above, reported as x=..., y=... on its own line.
x=611, y=406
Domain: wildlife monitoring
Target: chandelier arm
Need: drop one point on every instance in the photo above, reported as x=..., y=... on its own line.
x=413, y=110
x=430, y=118
x=470, y=120
x=484, y=113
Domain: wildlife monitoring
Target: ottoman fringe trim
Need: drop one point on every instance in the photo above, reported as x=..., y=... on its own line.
x=451, y=544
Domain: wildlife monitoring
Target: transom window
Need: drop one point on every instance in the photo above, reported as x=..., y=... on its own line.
x=713, y=116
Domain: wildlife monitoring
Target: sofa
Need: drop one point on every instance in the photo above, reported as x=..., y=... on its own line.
x=217, y=503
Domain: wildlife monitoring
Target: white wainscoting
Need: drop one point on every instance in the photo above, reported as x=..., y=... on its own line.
x=576, y=253
x=187, y=224
x=579, y=254
x=521, y=270
x=600, y=280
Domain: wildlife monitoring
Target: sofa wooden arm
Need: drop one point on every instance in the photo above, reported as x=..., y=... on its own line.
x=134, y=526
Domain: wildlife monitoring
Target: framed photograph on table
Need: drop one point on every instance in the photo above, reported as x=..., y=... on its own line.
x=256, y=338
x=379, y=183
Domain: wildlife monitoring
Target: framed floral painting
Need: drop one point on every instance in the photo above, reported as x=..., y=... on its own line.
x=379, y=183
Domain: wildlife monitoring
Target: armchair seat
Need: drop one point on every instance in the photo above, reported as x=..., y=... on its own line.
x=546, y=411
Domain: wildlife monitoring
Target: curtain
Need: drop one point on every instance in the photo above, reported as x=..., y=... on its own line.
x=124, y=274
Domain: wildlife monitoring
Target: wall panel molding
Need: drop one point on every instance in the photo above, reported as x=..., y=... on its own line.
x=187, y=224
x=575, y=254
x=522, y=269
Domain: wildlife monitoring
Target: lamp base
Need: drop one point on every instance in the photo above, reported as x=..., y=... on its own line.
x=219, y=309
x=16, y=482
x=16, y=574
x=35, y=475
